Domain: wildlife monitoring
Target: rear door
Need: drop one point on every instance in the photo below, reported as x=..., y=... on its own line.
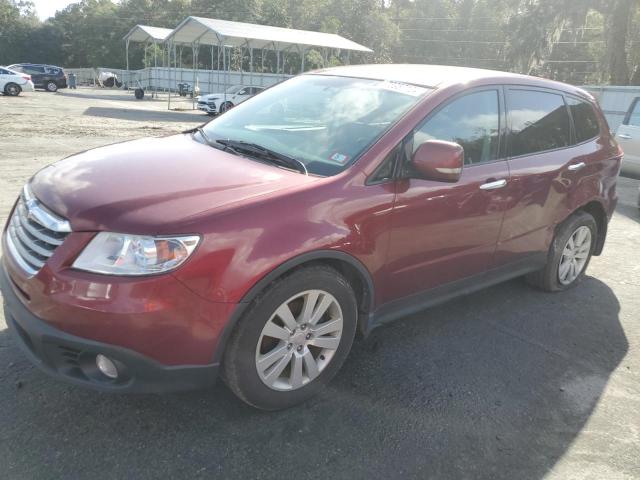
x=37, y=74
x=539, y=143
x=628, y=136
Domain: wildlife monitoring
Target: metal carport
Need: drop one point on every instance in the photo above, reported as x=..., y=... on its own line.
x=224, y=34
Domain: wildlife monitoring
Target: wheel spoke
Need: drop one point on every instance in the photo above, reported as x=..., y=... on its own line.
x=310, y=365
x=322, y=307
x=274, y=331
x=268, y=359
x=564, y=269
x=284, y=312
x=296, y=372
x=328, y=327
x=325, y=342
x=275, y=372
x=310, y=300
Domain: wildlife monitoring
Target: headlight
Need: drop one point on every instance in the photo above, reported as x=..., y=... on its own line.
x=121, y=254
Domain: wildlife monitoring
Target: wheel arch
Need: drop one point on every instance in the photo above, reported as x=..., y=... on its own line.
x=349, y=266
x=596, y=209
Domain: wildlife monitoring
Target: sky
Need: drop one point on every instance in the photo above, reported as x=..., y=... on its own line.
x=48, y=8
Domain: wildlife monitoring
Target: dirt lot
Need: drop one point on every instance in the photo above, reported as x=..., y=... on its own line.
x=507, y=383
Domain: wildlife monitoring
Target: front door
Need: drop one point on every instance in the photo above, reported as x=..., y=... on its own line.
x=443, y=232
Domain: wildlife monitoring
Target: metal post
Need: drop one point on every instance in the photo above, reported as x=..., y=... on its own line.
x=219, y=64
x=169, y=45
x=155, y=69
x=262, y=68
x=251, y=63
x=126, y=48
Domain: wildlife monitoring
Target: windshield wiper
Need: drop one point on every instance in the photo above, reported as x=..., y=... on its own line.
x=264, y=153
x=207, y=139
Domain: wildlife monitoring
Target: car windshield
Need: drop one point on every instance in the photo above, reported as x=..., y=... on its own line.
x=325, y=122
x=234, y=89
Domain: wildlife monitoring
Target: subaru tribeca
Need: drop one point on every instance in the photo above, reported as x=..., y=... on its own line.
x=258, y=245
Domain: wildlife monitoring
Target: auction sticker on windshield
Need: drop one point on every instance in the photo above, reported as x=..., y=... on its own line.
x=407, y=89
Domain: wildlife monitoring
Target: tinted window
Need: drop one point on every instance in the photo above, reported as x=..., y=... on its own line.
x=584, y=119
x=4, y=72
x=634, y=116
x=539, y=121
x=33, y=70
x=473, y=121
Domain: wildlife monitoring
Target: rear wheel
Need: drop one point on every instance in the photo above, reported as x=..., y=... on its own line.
x=292, y=340
x=569, y=254
x=51, y=86
x=12, y=89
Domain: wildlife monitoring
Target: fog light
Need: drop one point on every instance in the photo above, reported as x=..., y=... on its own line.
x=106, y=366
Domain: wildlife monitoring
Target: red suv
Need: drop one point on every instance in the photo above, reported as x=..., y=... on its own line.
x=258, y=244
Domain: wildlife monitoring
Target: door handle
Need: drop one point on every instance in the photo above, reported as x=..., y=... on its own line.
x=493, y=184
x=577, y=166
x=626, y=136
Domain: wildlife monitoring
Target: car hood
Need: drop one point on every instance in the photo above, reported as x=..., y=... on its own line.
x=211, y=96
x=155, y=185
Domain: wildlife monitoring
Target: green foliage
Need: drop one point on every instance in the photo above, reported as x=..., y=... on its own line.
x=580, y=41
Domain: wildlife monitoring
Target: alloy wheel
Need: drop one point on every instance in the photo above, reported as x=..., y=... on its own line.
x=299, y=340
x=574, y=255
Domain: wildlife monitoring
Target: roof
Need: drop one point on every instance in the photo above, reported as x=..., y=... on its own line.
x=145, y=33
x=210, y=31
x=439, y=75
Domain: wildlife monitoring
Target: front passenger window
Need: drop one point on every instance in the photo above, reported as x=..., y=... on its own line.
x=473, y=121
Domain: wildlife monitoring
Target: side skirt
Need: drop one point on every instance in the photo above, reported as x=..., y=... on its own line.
x=414, y=303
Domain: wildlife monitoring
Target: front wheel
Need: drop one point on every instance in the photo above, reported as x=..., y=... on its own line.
x=292, y=340
x=226, y=106
x=51, y=87
x=12, y=90
x=569, y=254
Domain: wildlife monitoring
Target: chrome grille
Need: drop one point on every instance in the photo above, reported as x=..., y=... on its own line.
x=34, y=232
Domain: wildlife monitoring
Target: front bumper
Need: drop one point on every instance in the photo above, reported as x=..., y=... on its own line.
x=208, y=108
x=72, y=358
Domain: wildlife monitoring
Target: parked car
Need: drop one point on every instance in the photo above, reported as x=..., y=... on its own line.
x=214, y=103
x=48, y=77
x=256, y=246
x=628, y=134
x=12, y=82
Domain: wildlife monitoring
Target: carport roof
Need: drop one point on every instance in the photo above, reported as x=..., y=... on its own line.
x=145, y=33
x=210, y=31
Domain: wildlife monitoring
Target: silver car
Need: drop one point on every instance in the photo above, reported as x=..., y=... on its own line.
x=628, y=136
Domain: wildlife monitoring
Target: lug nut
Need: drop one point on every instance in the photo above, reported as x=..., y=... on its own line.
x=308, y=336
x=299, y=348
x=303, y=326
x=290, y=346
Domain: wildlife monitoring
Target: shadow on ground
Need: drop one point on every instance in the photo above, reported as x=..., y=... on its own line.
x=493, y=385
x=137, y=115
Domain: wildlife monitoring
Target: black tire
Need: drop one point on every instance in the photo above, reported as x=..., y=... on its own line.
x=138, y=93
x=51, y=86
x=226, y=106
x=548, y=279
x=239, y=362
x=12, y=89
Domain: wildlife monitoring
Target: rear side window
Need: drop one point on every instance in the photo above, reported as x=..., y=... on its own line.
x=634, y=114
x=585, y=120
x=33, y=70
x=4, y=72
x=472, y=121
x=538, y=121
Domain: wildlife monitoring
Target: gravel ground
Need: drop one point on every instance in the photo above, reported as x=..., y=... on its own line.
x=506, y=383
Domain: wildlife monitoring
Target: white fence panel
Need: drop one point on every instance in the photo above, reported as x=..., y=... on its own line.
x=615, y=101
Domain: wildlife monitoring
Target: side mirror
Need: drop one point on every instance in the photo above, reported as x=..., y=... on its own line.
x=438, y=160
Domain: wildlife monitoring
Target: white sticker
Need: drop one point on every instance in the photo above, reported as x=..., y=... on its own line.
x=407, y=89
